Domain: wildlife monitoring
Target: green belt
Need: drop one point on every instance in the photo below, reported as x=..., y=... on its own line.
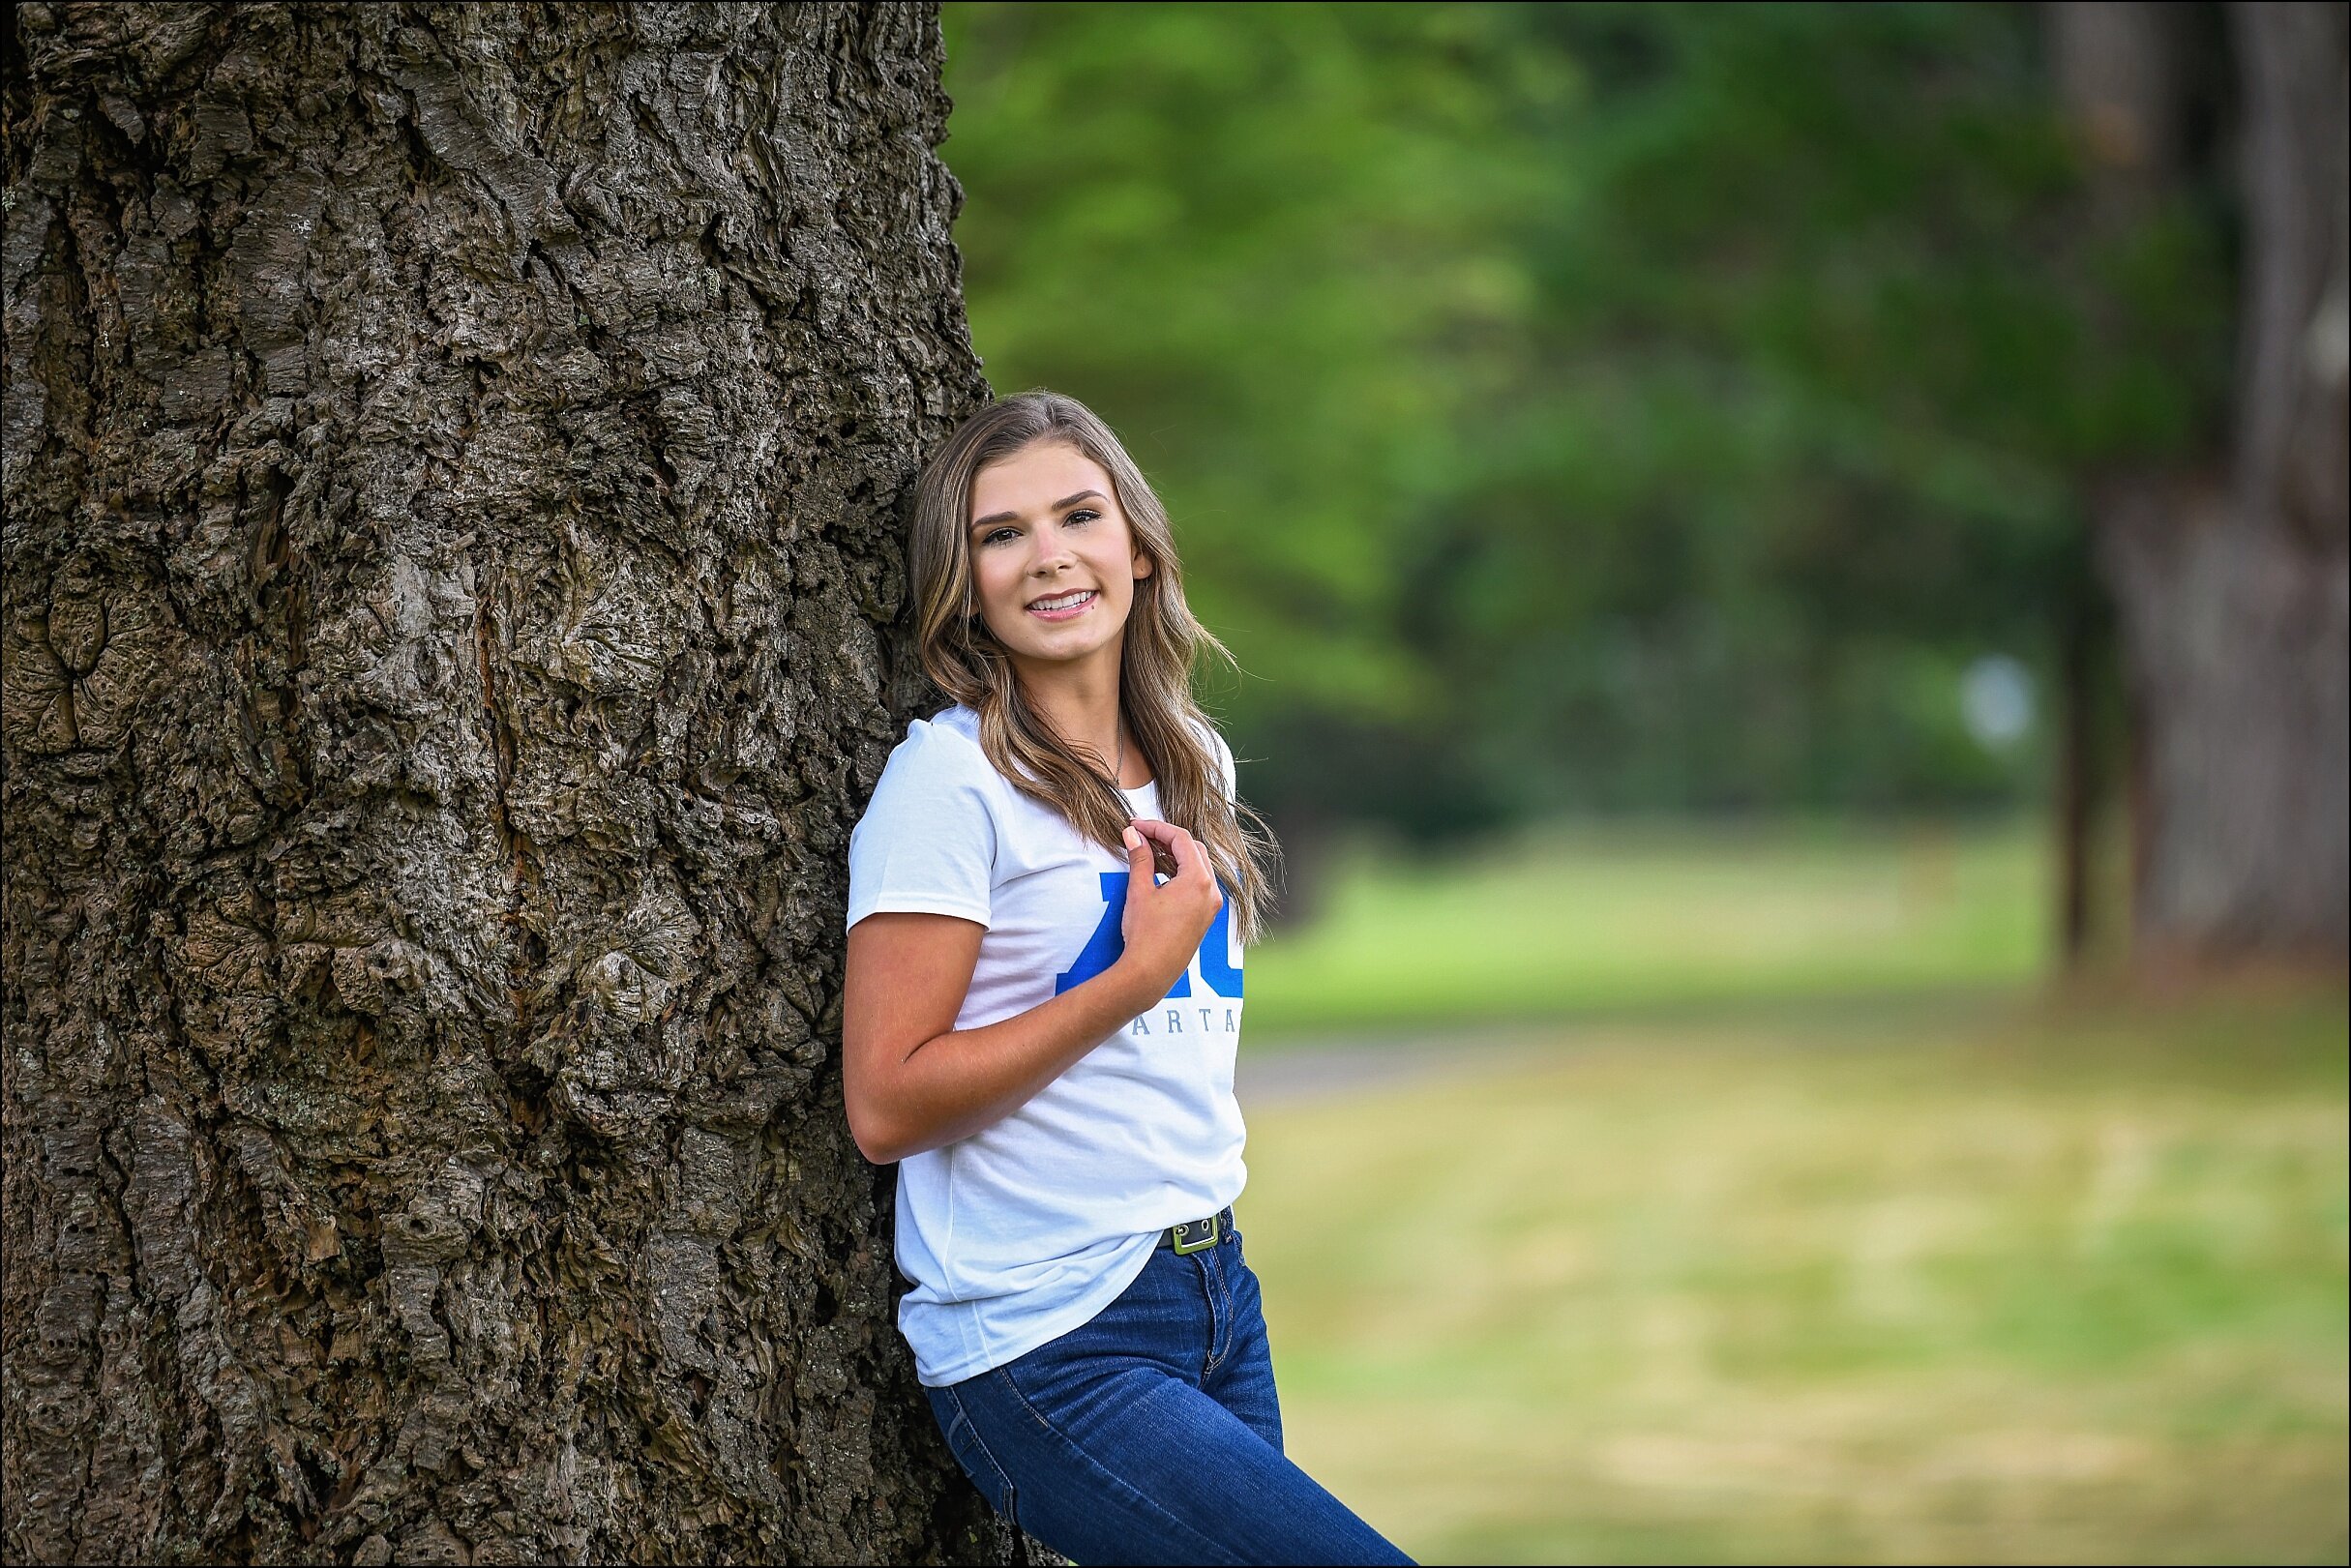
x=1198, y=1235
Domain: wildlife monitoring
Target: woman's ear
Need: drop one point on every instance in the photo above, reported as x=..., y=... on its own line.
x=1142, y=566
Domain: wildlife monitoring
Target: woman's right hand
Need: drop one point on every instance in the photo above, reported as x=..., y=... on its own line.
x=1164, y=921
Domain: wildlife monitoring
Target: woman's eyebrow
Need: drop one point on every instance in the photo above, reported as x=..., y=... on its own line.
x=1062, y=505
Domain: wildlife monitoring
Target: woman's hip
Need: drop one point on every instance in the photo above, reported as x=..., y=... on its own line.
x=1152, y=1433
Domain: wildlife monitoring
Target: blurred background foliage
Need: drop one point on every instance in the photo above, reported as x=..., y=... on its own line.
x=1653, y=465
x=1621, y=407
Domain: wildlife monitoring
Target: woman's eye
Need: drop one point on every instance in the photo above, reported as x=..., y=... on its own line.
x=1082, y=515
x=1000, y=533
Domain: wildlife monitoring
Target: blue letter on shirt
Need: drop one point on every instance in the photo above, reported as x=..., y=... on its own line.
x=1216, y=950
x=1103, y=947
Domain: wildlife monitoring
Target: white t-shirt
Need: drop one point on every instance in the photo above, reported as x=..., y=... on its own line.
x=1025, y=1229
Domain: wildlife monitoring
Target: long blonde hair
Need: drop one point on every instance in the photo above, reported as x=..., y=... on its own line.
x=1163, y=640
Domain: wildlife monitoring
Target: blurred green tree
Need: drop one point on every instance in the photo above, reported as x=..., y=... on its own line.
x=1620, y=406
x=1822, y=276
x=1265, y=242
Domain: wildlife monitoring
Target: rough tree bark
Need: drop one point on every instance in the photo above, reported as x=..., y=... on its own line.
x=454, y=459
x=2233, y=585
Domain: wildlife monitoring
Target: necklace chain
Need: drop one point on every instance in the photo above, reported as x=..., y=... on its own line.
x=1119, y=768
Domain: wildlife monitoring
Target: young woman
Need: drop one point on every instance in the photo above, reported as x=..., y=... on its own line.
x=1040, y=1031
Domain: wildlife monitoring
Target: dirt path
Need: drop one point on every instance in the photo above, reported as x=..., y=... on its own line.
x=1320, y=1068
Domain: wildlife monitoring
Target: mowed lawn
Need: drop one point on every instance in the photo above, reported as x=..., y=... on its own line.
x=1925, y=1279
x=1614, y=918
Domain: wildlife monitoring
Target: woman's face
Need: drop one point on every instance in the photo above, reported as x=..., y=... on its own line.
x=1053, y=560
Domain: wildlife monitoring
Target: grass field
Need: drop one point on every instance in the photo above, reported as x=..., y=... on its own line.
x=1974, y=1280
x=1634, y=918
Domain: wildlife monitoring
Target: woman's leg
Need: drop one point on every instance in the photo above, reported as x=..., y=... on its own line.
x=1103, y=1445
x=1242, y=1378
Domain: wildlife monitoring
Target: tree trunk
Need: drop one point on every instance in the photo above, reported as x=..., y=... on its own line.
x=2234, y=592
x=453, y=463
x=2081, y=776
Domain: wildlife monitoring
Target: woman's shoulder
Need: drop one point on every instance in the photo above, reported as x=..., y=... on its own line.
x=947, y=746
x=946, y=742
x=955, y=721
x=937, y=779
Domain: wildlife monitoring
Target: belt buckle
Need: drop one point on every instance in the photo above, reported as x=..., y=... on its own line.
x=1206, y=1240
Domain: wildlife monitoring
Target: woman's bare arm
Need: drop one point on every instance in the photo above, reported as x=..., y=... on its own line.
x=912, y=1081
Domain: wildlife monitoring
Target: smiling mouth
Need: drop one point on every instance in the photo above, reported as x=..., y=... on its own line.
x=1063, y=606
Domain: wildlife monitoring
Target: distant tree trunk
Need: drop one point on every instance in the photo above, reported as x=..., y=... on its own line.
x=2081, y=774
x=454, y=459
x=2233, y=589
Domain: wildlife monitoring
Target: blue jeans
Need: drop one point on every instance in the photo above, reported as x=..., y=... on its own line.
x=1152, y=1433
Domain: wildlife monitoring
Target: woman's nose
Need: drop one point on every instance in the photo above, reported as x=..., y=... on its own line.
x=1052, y=555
